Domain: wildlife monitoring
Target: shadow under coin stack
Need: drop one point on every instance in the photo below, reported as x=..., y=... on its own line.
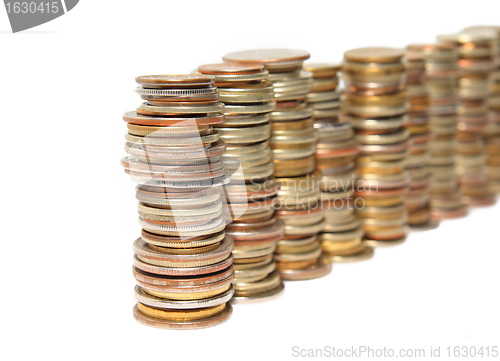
x=476, y=65
x=293, y=141
x=376, y=103
x=183, y=262
x=337, y=149
x=251, y=194
x=492, y=131
x=417, y=164
x=441, y=82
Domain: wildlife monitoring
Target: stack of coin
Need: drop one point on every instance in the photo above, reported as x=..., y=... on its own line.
x=293, y=141
x=418, y=198
x=376, y=104
x=255, y=229
x=294, y=138
x=299, y=255
x=492, y=131
x=477, y=62
x=183, y=262
x=337, y=149
x=441, y=84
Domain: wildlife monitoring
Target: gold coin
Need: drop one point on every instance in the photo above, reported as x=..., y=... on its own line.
x=187, y=296
x=180, y=315
x=323, y=70
x=374, y=55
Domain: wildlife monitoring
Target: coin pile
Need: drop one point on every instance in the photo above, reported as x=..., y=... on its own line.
x=293, y=140
x=492, y=131
x=476, y=64
x=441, y=81
x=418, y=197
x=376, y=104
x=249, y=98
x=183, y=262
x=337, y=149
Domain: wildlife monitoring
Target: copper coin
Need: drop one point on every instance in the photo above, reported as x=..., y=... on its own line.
x=188, y=121
x=385, y=242
x=177, y=80
x=441, y=214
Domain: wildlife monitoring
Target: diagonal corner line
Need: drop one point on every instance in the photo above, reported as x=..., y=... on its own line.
x=63, y=3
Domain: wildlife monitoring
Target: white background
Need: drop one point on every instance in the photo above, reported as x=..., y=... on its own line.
x=69, y=212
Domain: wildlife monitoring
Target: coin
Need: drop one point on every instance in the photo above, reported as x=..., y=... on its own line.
x=134, y=118
x=174, y=81
x=377, y=105
x=180, y=324
x=271, y=58
x=374, y=55
x=319, y=269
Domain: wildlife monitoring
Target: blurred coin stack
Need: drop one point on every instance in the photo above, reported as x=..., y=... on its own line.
x=417, y=164
x=337, y=149
x=183, y=262
x=376, y=105
x=476, y=64
x=249, y=98
x=293, y=141
x=441, y=81
x=492, y=131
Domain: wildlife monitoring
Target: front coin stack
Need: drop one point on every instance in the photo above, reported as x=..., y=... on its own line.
x=376, y=104
x=441, y=81
x=255, y=229
x=417, y=164
x=337, y=149
x=492, y=131
x=293, y=141
x=182, y=263
x=476, y=64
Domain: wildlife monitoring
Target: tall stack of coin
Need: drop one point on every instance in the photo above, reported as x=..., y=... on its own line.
x=376, y=104
x=476, y=64
x=183, y=262
x=492, y=131
x=337, y=149
x=255, y=229
x=418, y=198
x=293, y=141
x=441, y=81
